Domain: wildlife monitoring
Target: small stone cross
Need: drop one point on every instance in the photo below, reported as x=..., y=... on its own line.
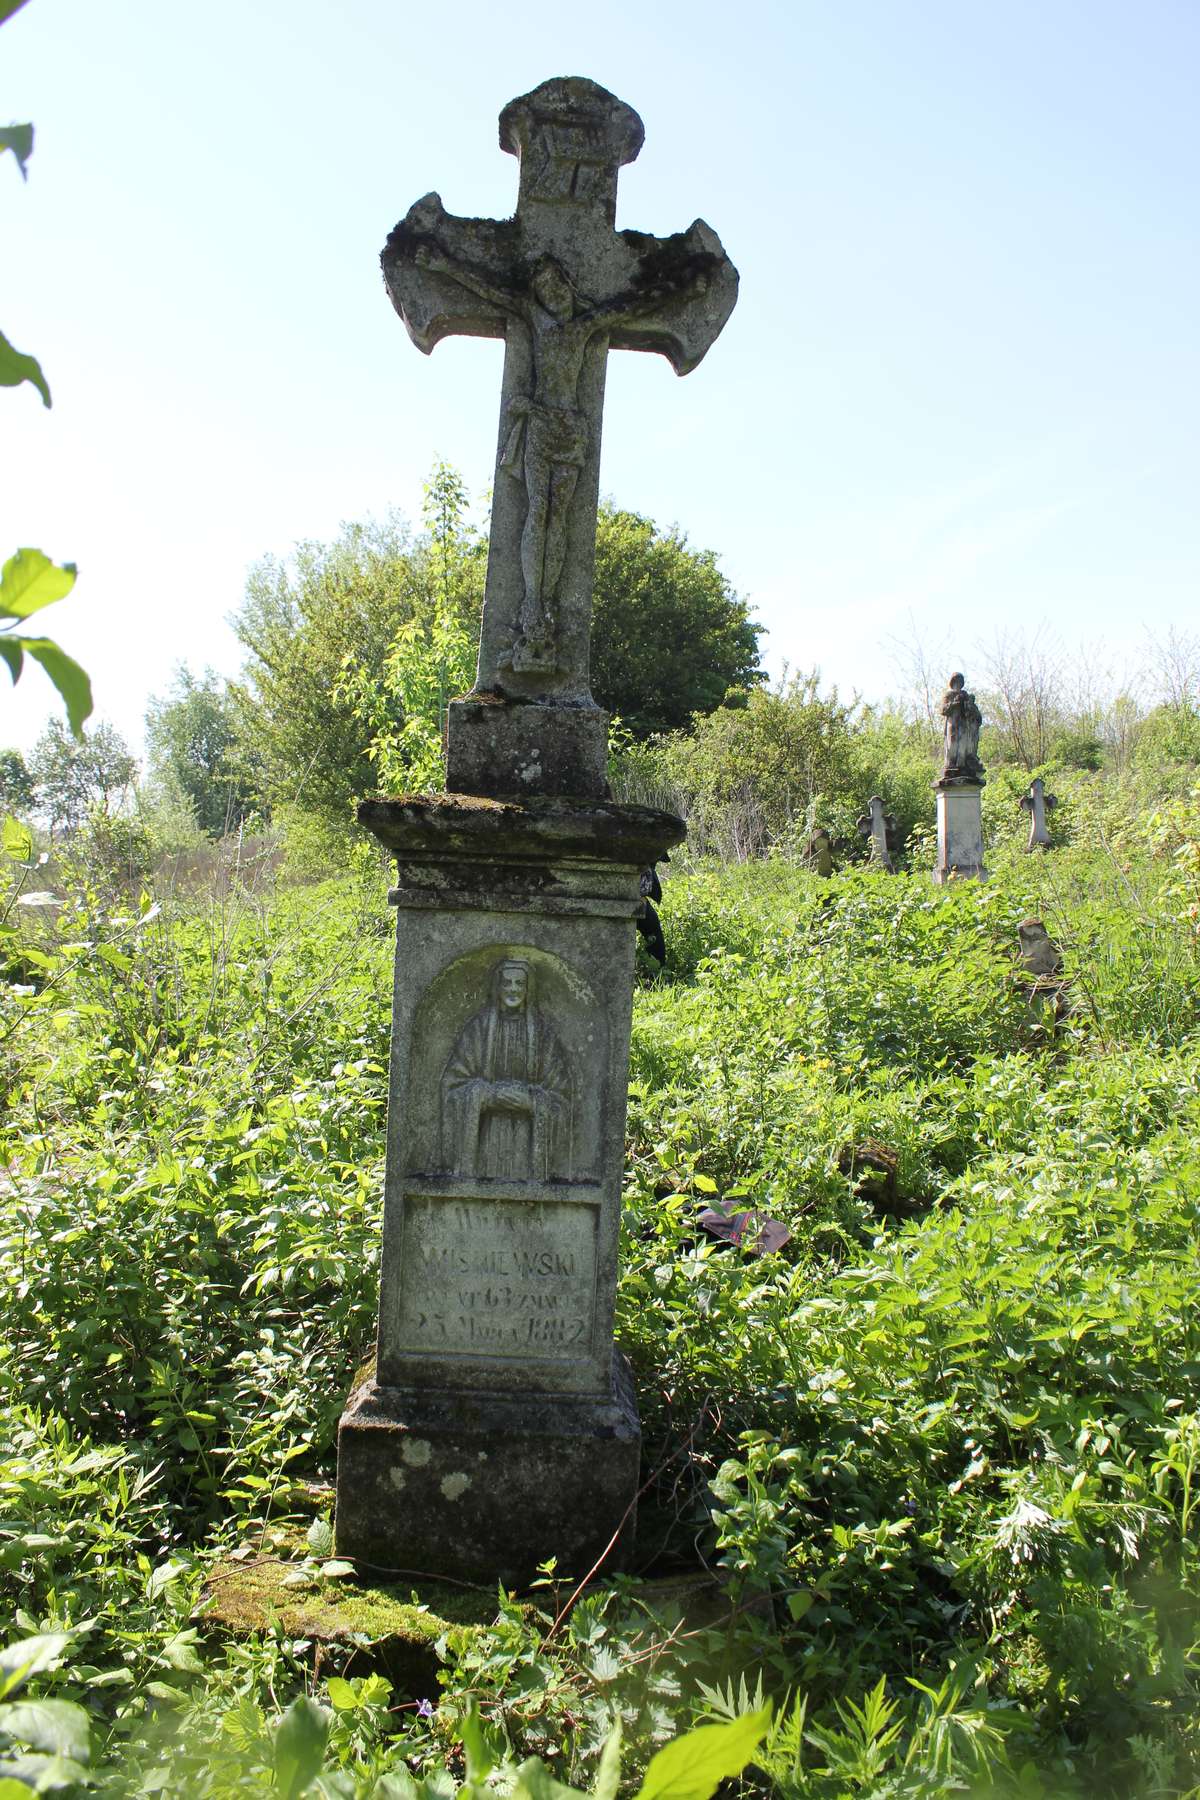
x=561, y=286
x=877, y=827
x=1036, y=802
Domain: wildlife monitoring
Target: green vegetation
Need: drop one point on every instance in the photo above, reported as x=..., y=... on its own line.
x=943, y=1447
x=29, y=580
x=670, y=638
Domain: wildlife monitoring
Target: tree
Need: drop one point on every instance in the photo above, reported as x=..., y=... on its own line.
x=405, y=698
x=318, y=631
x=744, y=774
x=75, y=776
x=670, y=638
x=16, y=783
x=191, y=737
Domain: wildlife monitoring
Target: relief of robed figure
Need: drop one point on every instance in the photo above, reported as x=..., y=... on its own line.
x=506, y=1097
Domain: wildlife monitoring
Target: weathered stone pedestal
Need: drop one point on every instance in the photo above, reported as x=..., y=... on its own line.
x=500, y=1428
x=959, y=831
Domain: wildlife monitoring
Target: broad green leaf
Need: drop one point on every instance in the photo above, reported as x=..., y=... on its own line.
x=608, y=1775
x=72, y=682
x=300, y=1746
x=14, y=656
x=180, y=1651
x=57, y=1726
x=534, y=1781
x=18, y=139
x=16, y=840
x=29, y=581
x=320, y=1537
x=16, y=367
x=480, y=1761
x=398, y=1785
x=29, y=1657
x=44, y=1774
x=693, y=1766
x=342, y=1696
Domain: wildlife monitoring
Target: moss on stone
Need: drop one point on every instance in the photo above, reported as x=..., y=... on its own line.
x=394, y=1626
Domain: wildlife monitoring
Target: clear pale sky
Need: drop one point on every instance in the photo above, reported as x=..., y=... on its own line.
x=959, y=392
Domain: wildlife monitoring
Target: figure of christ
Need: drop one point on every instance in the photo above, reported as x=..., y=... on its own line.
x=506, y=1089
x=550, y=433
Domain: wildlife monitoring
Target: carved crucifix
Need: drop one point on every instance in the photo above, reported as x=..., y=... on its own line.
x=561, y=286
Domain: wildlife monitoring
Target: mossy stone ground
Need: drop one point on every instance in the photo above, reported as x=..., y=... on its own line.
x=393, y=1626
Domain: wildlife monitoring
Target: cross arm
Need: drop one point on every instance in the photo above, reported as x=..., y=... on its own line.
x=448, y=276
x=680, y=292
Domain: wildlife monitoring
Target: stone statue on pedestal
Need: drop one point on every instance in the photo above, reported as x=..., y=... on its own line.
x=963, y=721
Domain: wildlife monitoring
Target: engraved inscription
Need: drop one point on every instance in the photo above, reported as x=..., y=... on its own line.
x=506, y=1088
x=497, y=1277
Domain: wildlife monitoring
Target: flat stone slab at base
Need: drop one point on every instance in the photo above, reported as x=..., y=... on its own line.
x=487, y=1487
x=393, y=1629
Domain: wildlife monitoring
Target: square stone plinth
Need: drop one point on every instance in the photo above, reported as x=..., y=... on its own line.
x=486, y=1487
x=509, y=748
x=959, y=833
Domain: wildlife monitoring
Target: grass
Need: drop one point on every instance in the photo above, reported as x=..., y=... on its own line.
x=944, y=1446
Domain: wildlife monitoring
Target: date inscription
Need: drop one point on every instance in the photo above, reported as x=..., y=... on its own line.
x=510, y=1278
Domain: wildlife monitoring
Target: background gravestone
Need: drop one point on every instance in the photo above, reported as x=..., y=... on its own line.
x=959, y=789
x=499, y=1428
x=879, y=829
x=1037, y=803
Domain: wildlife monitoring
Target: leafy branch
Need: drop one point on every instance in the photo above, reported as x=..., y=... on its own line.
x=30, y=580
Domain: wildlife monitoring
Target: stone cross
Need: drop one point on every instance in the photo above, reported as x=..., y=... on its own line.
x=820, y=852
x=1036, y=803
x=877, y=827
x=498, y=1427
x=561, y=285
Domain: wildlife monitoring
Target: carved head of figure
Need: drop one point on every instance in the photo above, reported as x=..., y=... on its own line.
x=512, y=986
x=552, y=290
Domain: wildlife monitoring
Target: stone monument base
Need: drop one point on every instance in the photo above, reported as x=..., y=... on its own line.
x=959, y=832
x=485, y=1487
x=506, y=748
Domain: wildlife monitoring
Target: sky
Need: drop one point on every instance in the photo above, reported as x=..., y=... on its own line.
x=958, y=396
